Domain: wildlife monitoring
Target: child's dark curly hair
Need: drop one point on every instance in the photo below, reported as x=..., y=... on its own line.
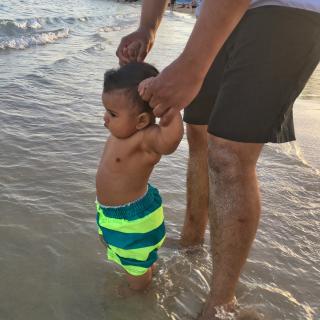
x=128, y=78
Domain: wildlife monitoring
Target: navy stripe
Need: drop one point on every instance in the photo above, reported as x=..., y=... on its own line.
x=153, y=256
x=129, y=241
x=137, y=209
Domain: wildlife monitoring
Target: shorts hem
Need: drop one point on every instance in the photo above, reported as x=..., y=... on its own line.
x=251, y=140
x=197, y=123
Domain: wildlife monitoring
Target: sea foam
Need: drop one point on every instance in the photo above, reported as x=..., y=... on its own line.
x=27, y=41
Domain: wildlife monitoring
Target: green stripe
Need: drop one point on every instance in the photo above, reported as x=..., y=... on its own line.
x=143, y=225
x=153, y=256
x=133, y=240
x=133, y=270
x=134, y=266
x=137, y=254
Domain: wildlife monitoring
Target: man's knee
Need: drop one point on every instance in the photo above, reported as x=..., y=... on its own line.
x=232, y=160
x=224, y=163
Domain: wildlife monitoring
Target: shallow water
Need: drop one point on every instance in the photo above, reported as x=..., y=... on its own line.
x=52, y=59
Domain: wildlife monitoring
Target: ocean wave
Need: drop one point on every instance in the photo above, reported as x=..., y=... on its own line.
x=34, y=23
x=110, y=28
x=20, y=24
x=27, y=41
x=118, y=26
x=94, y=48
x=28, y=28
x=7, y=27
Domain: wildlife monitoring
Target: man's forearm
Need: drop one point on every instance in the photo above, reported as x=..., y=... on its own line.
x=151, y=14
x=217, y=20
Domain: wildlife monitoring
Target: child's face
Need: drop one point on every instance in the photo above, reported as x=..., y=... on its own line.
x=120, y=117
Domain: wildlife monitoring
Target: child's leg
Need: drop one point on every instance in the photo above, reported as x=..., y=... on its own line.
x=140, y=282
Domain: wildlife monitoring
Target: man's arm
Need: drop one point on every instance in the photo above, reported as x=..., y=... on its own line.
x=177, y=85
x=165, y=139
x=151, y=14
x=216, y=22
x=135, y=46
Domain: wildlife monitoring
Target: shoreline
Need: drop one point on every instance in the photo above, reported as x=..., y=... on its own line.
x=180, y=9
x=191, y=11
x=177, y=7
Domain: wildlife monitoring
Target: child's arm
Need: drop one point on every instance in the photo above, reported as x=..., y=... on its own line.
x=164, y=139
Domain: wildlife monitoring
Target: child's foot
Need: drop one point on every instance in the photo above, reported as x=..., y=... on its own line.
x=136, y=284
x=140, y=283
x=124, y=291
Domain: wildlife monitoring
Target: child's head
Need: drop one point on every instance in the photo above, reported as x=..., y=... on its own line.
x=126, y=111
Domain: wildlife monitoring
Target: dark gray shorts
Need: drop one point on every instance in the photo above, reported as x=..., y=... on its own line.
x=250, y=89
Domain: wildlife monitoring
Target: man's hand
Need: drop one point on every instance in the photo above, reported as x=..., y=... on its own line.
x=172, y=90
x=135, y=46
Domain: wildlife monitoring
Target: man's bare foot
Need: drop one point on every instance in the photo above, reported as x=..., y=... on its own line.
x=187, y=243
x=177, y=244
x=213, y=312
x=189, y=252
x=249, y=315
x=230, y=311
x=172, y=243
x=191, y=236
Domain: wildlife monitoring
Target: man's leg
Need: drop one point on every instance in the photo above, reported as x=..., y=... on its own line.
x=197, y=179
x=234, y=210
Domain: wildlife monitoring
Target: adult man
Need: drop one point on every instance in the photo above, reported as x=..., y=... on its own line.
x=262, y=58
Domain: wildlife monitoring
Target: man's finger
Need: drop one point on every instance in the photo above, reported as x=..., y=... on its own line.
x=120, y=48
x=133, y=50
x=142, y=87
x=144, y=84
x=154, y=102
x=160, y=110
x=145, y=89
x=147, y=94
x=123, y=56
x=142, y=52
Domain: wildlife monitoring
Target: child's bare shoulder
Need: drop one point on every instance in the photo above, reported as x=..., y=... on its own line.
x=138, y=141
x=135, y=141
x=149, y=133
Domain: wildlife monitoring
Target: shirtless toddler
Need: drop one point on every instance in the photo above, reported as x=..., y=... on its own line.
x=129, y=210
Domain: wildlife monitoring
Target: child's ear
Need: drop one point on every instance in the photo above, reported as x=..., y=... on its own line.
x=143, y=120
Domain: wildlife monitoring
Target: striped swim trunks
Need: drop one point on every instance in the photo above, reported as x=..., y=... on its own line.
x=133, y=232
